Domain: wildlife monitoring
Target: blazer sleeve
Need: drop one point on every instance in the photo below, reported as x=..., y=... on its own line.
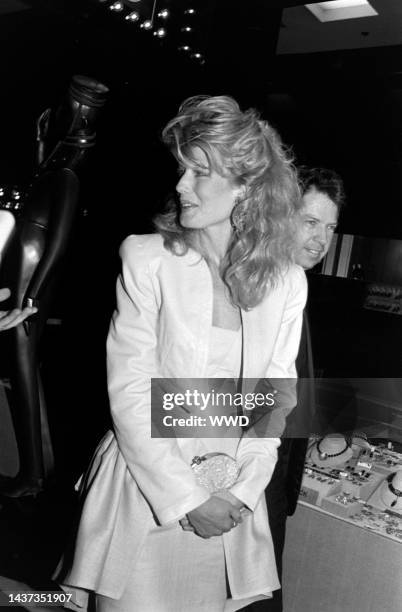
x=282, y=364
x=257, y=455
x=156, y=465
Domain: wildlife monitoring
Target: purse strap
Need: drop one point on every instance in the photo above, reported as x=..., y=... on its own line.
x=239, y=386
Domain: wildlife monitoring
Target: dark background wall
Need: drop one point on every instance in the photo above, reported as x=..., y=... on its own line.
x=339, y=108
x=342, y=109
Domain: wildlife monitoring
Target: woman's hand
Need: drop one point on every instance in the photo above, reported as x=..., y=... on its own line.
x=235, y=501
x=223, y=494
x=214, y=517
x=12, y=318
x=185, y=524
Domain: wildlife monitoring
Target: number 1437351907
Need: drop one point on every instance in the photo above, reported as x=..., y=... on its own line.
x=34, y=598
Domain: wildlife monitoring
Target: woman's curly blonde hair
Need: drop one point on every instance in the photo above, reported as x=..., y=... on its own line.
x=242, y=147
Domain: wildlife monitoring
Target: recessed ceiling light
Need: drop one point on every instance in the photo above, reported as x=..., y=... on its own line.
x=335, y=10
x=333, y=4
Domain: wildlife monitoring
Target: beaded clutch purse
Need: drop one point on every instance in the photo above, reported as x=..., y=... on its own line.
x=215, y=471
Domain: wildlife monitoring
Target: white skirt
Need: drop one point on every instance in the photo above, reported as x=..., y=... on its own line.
x=134, y=565
x=177, y=571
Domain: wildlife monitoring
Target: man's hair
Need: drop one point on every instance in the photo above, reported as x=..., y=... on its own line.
x=325, y=181
x=247, y=150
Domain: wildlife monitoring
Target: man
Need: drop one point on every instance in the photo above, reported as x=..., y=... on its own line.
x=316, y=221
x=323, y=197
x=12, y=318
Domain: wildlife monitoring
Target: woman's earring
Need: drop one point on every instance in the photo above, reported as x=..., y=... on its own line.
x=238, y=216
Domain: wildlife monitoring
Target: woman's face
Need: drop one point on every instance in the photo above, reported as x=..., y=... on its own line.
x=206, y=198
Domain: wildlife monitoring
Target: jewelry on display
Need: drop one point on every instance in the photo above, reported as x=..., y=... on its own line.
x=393, y=490
x=312, y=471
x=343, y=498
x=324, y=455
x=346, y=498
x=358, y=441
x=359, y=434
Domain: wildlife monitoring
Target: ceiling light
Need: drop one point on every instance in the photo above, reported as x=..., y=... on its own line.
x=163, y=14
x=336, y=10
x=116, y=6
x=334, y=4
x=133, y=16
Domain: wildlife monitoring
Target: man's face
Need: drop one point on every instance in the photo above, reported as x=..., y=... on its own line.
x=315, y=225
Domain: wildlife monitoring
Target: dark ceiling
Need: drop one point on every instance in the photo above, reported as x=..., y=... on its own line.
x=338, y=107
x=302, y=32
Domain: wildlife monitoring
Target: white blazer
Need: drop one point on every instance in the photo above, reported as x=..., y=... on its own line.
x=161, y=328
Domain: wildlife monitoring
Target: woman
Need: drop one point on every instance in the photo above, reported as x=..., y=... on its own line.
x=211, y=294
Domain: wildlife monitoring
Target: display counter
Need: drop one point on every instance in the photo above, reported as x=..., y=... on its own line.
x=334, y=565
x=343, y=549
